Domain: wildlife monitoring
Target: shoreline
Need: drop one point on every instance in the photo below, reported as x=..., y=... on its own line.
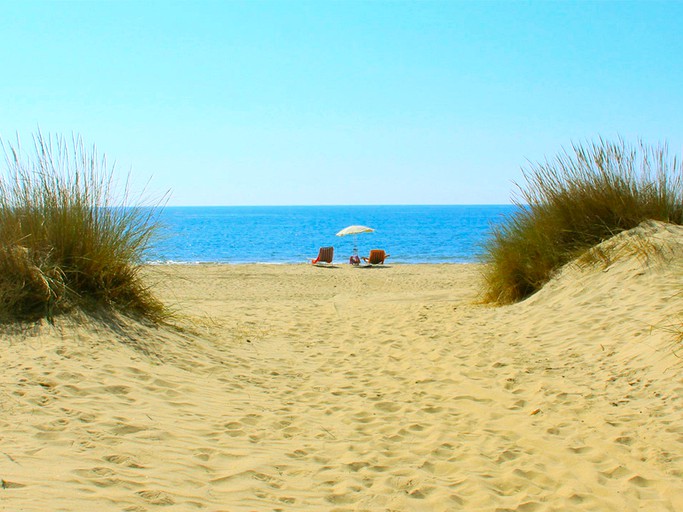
x=333, y=265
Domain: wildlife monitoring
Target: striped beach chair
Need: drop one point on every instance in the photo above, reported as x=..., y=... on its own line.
x=377, y=257
x=325, y=256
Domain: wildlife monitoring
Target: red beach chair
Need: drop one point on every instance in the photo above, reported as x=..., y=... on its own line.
x=377, y=257
x=325, y=256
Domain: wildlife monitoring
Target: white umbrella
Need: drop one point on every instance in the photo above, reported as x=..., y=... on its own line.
x=354, y=230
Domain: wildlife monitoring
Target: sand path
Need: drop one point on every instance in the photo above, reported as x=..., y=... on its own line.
x=389, y=389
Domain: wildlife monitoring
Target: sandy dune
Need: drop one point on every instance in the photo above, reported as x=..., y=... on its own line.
x=297, y=388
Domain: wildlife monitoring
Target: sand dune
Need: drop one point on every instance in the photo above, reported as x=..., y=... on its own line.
x=297, y=388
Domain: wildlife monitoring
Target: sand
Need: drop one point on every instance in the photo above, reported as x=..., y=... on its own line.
x=297, y=388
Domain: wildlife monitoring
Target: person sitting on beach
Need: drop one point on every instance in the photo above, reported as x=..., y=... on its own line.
x=354, y=260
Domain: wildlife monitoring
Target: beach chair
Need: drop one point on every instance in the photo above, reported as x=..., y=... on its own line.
x=325, y=256
x=377, y=257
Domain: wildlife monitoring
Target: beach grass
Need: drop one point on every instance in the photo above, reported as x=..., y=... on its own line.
x=68, y=237
x=573, y=202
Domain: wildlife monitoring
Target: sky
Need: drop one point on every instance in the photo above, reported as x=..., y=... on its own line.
x=351, y=102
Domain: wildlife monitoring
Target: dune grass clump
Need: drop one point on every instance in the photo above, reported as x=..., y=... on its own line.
x=574, y=202
x=66, y=240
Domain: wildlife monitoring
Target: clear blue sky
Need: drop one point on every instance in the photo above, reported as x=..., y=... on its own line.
x=341, y=102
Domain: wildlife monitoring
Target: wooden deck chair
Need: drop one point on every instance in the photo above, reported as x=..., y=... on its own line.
x=325, y=256
x=377, y=257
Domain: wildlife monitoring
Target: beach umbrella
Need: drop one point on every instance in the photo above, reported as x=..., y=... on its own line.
x=354, y=230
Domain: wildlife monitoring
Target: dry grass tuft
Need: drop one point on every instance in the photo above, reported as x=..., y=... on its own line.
x=573, y=203
x=66, y=240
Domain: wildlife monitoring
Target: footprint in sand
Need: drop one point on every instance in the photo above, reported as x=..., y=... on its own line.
x=388, y=406
x=156, y=497
x=122, y=429
x=123, y=460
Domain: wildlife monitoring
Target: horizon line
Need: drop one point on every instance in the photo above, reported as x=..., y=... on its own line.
x=326, y=205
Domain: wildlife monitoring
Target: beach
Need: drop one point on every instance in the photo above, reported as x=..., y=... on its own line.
x=298, y=388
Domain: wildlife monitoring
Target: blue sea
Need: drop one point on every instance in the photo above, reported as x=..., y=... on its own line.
x=293, y=234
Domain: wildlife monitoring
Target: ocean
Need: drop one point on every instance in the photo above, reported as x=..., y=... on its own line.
x=293, y=234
